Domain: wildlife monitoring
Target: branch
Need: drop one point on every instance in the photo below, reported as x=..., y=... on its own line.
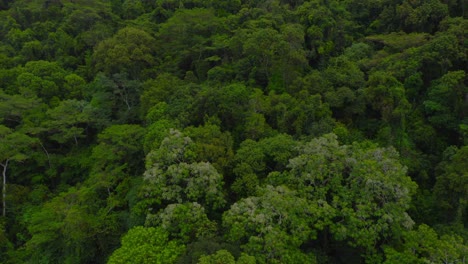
x=5, y=164
x=46, y=152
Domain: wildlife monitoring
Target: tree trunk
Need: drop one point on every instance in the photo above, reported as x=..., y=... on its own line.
x=47, y=153
x=4, y=165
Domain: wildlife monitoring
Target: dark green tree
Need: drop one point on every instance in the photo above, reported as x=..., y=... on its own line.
x=130, y=51
x=14, y=147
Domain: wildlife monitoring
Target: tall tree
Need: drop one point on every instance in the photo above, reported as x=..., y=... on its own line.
x=130, y=51
x=14, y=147
x=173, y=176
x=146, y=245
x=274, y=225
x=365, y=189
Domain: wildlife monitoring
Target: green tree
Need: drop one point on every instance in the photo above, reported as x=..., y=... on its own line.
x=255, y=160
x=131, y=9
x=386, y=95
x=190, y=33
x=18, y=110
x=445, y=105
x=226, y=102
x=451, y=183
x=73, y=227
x=365, y=187
x=75, y=86
x=114, y=99
x=7, y=247
x=185, y=222
x=342, y=90
x=173, y=176
x=68, y=121
x=421, y=16
x=261, y=46
x=328, y=27
x=14, y=147
x=162, y=89
x=130, y=51
x=45, y=79
x=273, y=225
x=156, y=133
x=146, y=245
x=423, y=245
x=177, y=94
x=302, y=114
x=221, y=256
x=225, y=257
x=117, y=159
x=212, y=145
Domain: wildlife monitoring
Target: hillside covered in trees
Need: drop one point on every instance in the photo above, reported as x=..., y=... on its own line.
x=234, y=131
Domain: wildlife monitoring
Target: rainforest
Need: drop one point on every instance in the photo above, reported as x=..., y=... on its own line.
x=234, y=131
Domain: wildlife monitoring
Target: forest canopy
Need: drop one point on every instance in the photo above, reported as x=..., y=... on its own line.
x=233, y=131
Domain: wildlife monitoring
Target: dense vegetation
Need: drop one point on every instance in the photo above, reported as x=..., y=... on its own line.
x=233, y=131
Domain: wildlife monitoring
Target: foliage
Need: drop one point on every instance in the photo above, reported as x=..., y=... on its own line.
x=146, y=245
x=263, y=224
x=254, y=131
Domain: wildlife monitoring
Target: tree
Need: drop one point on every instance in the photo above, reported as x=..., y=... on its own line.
x=161, y=89
x=365, y=188
x=421, y=16
x=208, y=120
x=302, y=114
x=221, y=256
x=386, y=95
x=19, y=109
x=211, y=145
x=190, y=33
x=75, y=86
x=225, y=257
x=6, y=245
x=263, y=47
x=115, y=98
x=45, y=79
x=173, y=176
x=343, y=85
x=177, y=94
x=72, y=227
x=273, y=225
x=146, y=245
x=451, y=185
x=156, y=133
x=424, y=245
x=14, y=147
x=82, y=221
x=329, y=28
x=130, y=51
x=255, y=160
x=226, y=102
x=446, y=104
x=132, y=9
x=68, y=121
x=183, y=182
x=185, y=222
x=117, y=159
